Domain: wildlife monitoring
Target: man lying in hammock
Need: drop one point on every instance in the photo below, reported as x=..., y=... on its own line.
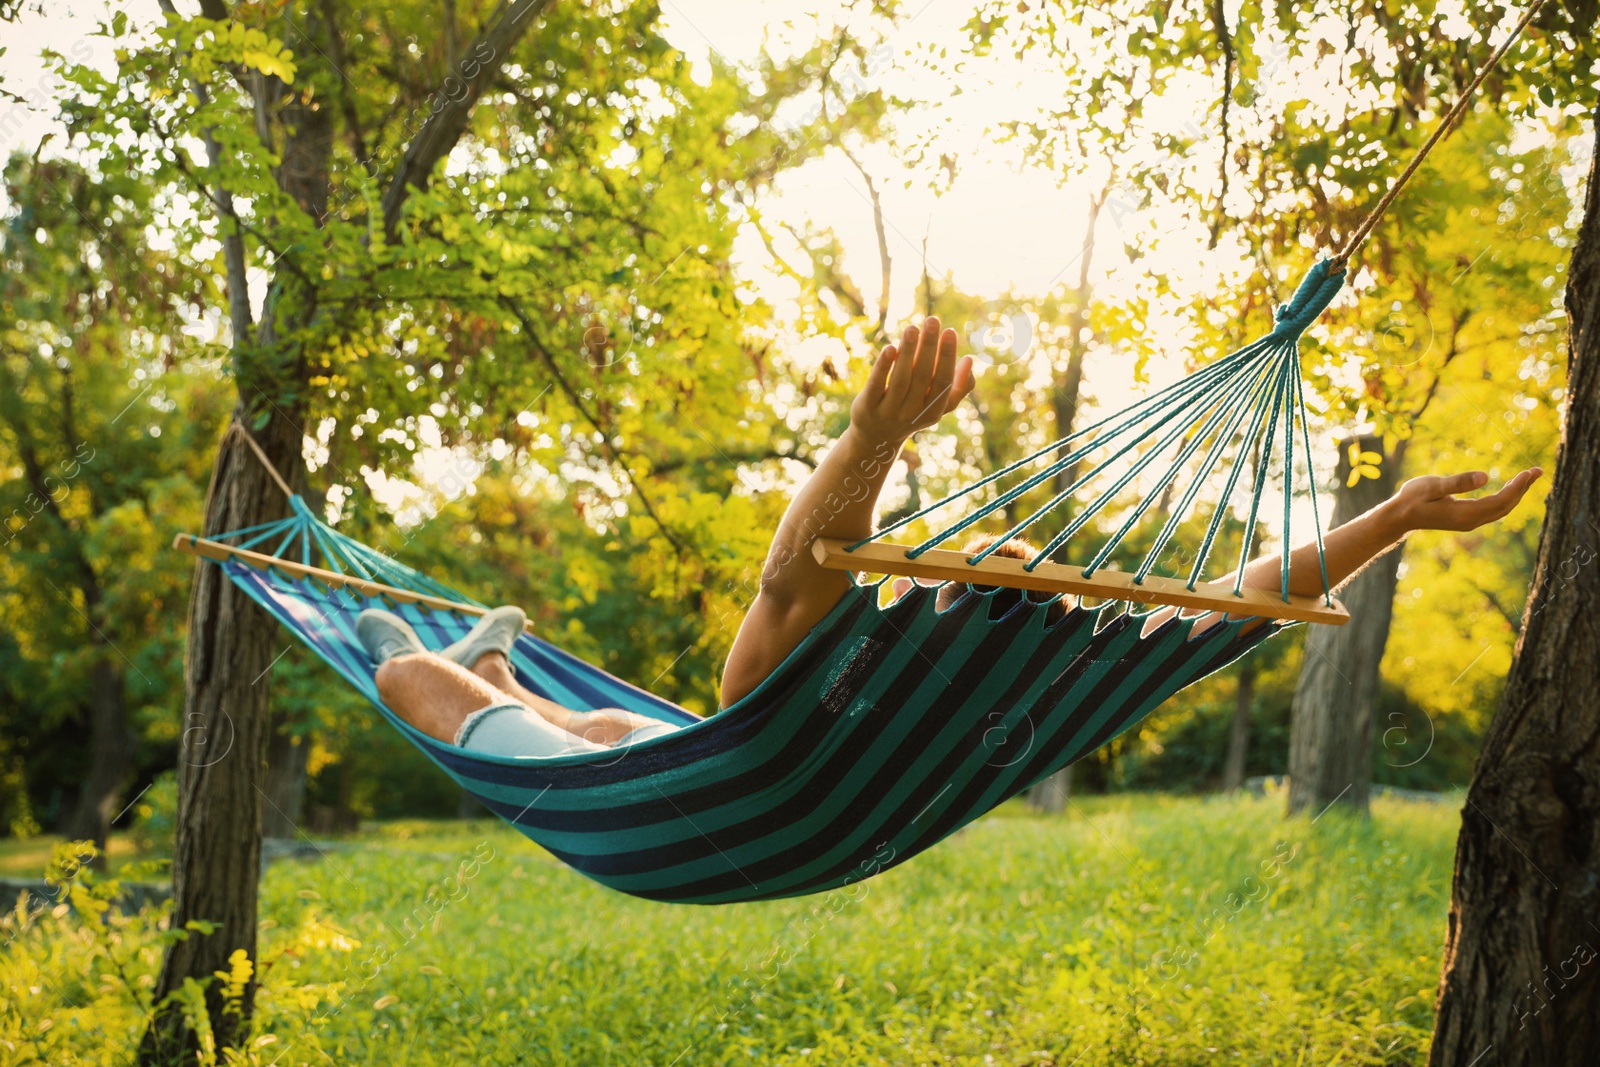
x=467, y=694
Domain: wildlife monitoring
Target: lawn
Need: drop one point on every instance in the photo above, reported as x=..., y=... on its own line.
x=1133, y=930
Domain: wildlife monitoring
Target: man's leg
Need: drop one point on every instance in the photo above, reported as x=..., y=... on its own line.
x=434, y=694
x=449, y=703
x=605, y=727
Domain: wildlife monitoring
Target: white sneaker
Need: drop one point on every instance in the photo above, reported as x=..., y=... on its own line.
x=386, y=635
x=496, y=632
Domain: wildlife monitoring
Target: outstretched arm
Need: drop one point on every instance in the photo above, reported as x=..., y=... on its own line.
x=912, y=386
x=1428, y=503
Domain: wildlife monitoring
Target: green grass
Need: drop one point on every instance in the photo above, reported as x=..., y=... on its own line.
x=26, y=859
x=1133, y=930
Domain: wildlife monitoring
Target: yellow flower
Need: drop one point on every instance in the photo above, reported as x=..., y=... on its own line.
x=1362, y=464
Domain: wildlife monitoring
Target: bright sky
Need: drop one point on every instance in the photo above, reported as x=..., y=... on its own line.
x=998, y=227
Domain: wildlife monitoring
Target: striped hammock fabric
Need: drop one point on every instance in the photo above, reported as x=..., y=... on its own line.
x=888, y=729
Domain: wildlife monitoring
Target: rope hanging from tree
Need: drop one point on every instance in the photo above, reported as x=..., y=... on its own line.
x=1250, y=402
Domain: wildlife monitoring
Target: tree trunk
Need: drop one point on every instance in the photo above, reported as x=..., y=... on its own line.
x=285, y=791
x=227, y=723
x=1051, y=795
x=217, y=854
x=467, y=807
x=111, y=751
x=222, y=754
x=1330, y=722
x=1244, y=699
x=1521, y=968
x=1244, y=696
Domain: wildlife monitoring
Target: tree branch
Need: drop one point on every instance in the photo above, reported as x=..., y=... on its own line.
x=529, y=328
x=486, y=55
x=679, y=462
x=240, y=319
x=1219, y=18
x=884, y=265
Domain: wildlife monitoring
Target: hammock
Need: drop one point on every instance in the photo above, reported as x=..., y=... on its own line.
x=886, y=730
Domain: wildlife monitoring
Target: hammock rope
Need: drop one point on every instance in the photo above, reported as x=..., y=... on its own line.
x=1262, y=374
x=1261, y=380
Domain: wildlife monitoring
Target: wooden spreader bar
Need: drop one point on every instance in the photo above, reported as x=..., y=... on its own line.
x=199, y=546
x=942, y=564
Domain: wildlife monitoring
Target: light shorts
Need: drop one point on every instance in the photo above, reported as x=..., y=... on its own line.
x=517, y=730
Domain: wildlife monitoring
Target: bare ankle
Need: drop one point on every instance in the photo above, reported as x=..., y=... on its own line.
x=492, y=665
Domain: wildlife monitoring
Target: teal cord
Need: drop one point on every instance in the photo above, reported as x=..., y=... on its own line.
x=1094, y=472
x=269, y=527
x=1129, y=416
x=1206, y=398
x=1311, y=479
x=288, y=539
x=1288, y=487
x=1116, y=487
x=272, y=530
x=1261, y=477
x=1017, y=491
x=1256, y=417
x=341, y=553
x=1222, y=412
x=1174, y=520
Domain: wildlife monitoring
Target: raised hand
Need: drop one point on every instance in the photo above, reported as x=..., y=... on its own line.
x=1430, y=502
x=913, y=385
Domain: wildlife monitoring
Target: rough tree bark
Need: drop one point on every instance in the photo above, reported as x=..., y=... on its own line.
x=1521, y=971
x=1330, y=721
x=222, y=754
x=226, y=711
x=231, y=642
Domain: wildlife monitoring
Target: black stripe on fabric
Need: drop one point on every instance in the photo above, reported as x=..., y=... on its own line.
x=811, y=791
x=1176, y=660
x=799, y=701
x=1048, y=708
x=886, y=776
x=940, y=776
x=997, y=638
x=959, y=812
x=1190, y=661
x=1050, y=699
x=1209, y=653
x=892, y=773
x=764, y=872
x=656, y=809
